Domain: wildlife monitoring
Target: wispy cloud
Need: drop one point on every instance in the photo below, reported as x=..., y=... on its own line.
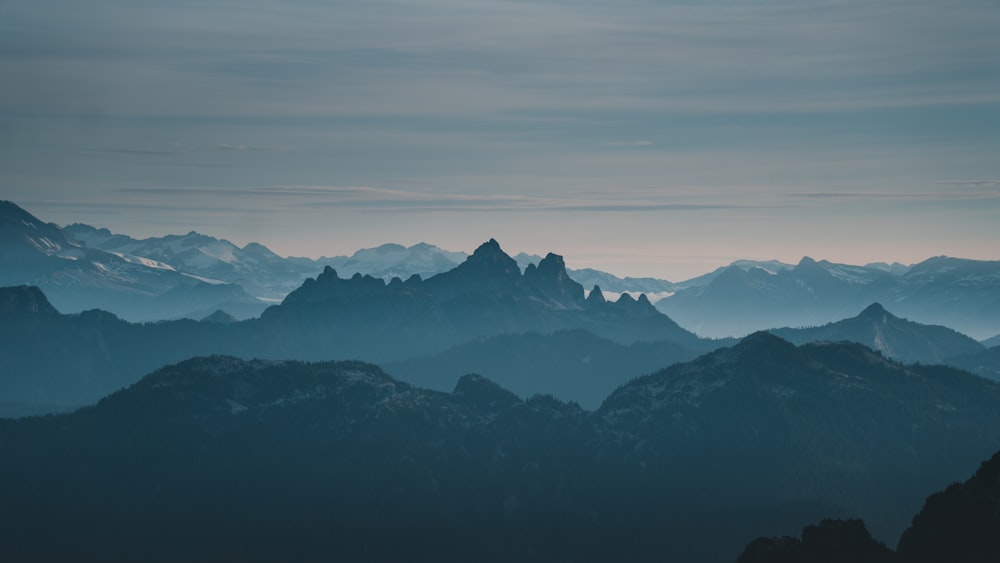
x=376, y=199
x=901, y=196
x=140, y=152
x=627, y=143
x=250, y=148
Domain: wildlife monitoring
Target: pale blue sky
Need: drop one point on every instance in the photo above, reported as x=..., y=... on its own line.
x=640, y=137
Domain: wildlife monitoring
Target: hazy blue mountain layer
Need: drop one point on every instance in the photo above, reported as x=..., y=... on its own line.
x=573, y=365
x=897, y=338
x=76, y=359
x=742, y=298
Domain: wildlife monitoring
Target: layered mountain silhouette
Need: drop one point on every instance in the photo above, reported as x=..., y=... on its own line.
x=747, y=296
x=219, y=458
x=897, y=338
x=574, y=365
x=76, y=359
x=985, y=362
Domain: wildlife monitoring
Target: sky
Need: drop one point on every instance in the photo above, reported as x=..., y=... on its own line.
x=641, y=137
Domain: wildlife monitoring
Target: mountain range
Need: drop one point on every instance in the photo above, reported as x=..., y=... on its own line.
x=219, y=458
x=56, y=359
x=82, y=267
x=741, y=298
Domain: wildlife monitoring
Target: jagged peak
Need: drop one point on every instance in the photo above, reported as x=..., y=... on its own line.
x=490, y=247
x=596, y=295
x=328, y=274
x=490, y=261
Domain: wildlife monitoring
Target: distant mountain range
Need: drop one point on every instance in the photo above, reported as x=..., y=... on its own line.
x=742, y=298
x=573, y=365
x=223, y=459
x=78, y=277
x=54, y=359
x=82, y=267
x=897, y=338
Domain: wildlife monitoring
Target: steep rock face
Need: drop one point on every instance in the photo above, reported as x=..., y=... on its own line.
x=550, y=279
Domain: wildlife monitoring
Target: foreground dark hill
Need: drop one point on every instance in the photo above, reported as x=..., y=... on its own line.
x=897, y=338
x=831, y=421
x=222, y=459
x=957, y=525
x=53, y=359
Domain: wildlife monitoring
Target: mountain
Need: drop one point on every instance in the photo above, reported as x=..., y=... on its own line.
x=76, y=277
x=897, y=338
x=992, y=341
x=747, y=297
x=254, y=267
x=327, y=318
x=835, y=422
x=217, y=458
x=487, y=295
x=262, y=272
x=397, y=261
x=962, y=294
x=589, y=277
x=573, y=365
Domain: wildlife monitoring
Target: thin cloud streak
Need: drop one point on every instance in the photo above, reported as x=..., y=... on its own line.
x=373, y=199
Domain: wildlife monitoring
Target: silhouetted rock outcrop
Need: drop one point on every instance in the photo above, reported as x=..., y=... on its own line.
x=960, y=524
x=830, y=541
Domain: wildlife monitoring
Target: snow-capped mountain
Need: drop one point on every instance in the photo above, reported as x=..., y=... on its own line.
x=261, y=272
x=958, y=293
x=397, y=261
x=77, y=277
